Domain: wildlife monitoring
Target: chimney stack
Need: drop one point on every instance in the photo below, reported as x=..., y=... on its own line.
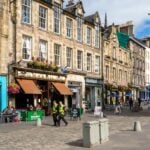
x=70, y=3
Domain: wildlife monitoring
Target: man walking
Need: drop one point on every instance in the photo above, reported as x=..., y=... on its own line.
x=55, y=112
x=61, y=113
x=131, y=103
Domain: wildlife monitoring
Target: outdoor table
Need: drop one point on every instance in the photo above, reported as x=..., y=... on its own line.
x=7, y=116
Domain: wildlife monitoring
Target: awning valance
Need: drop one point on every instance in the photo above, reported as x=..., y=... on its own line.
x=28, y=86
x=62, y=89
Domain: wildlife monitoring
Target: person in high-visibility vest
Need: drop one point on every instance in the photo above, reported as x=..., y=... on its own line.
x=61, y=113
x=55, y=112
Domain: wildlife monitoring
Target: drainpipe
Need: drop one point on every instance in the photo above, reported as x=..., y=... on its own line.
x=14, y=21
x=102, y=68
x=12, y=10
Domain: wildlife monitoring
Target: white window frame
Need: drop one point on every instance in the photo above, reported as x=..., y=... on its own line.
x=26, y=11
x=97, y=64
x=79, y=59
x=57, y=18
x=57, y=54
x=42, y=17
x=69, y=25
x=89, y=62
x=26, y=47
x=69, y=57
x=43, y=50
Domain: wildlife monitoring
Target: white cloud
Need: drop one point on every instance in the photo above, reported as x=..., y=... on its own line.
x=119, y=11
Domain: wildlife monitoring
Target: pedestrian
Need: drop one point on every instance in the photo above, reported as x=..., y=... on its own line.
x=61, y=113
x=55, y=113
x=131, y=103
x=139, y=101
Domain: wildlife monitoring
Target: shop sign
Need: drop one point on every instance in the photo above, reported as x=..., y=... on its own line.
x=93, y=81
x=97, y=110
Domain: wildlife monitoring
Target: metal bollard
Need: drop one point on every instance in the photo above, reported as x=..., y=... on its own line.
x=38, y=123
x=137, y=126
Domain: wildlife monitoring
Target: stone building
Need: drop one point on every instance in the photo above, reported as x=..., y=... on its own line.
x=117, y=65
x=55, y=52
x=138, y=68
x=146, y=42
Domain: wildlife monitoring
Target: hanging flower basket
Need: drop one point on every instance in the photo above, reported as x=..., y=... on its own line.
x=13, y=88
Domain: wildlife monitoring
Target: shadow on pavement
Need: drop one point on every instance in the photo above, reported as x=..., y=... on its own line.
x=127, y=130
x=77, y=143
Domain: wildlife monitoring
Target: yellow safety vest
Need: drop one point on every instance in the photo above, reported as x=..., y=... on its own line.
x=61, y=110
x=54, y=109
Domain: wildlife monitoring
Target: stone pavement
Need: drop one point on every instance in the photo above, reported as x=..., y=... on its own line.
x=26, y=136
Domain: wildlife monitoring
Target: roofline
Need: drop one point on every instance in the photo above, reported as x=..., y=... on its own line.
x=136, y=41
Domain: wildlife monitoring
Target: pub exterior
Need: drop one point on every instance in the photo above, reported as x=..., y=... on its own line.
x=54, y=53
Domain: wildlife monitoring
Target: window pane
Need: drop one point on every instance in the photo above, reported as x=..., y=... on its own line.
x=79, y=29
x=69, y=57
x=97, y=63
x=26, y=11
x=57, y=54
x=79, y=59
x=88, y=35
x=57, y=14
x=43, y=50
x=26, y=48
x=89, y=62
x=97, y=36
x=42, y=17
x=69, y=27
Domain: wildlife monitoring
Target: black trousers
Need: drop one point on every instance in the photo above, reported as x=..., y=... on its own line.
x=55, y=119
x=61, y=117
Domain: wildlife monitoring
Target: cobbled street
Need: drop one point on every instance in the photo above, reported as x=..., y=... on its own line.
x=27, y=136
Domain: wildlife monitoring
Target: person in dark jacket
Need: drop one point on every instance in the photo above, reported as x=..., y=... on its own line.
x=131, y=103
x=139, y=101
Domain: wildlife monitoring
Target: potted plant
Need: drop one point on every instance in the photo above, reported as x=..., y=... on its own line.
x=13, y=88
x=30, y=64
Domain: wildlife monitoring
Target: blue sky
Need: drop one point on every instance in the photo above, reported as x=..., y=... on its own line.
x=121, y=11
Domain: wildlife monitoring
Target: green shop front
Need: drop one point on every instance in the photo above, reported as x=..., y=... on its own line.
x=93, y=92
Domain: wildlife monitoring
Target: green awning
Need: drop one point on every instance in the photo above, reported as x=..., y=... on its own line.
x=123, y=39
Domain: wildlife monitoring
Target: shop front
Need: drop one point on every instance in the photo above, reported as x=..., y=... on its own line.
x=40, y=88
x=77, y=85
x=93, y=92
